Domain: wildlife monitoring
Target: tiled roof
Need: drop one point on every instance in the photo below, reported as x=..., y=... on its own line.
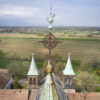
x=13, y=94
x=4, y=78
x=4, y=70
x=16, y=94
x=51, y=89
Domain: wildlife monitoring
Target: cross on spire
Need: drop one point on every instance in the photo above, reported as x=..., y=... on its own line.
x=50, y=41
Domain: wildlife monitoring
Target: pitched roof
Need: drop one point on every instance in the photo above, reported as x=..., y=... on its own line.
x=68, y=69
x=50, y=89
x=4, y=78
x=4, y=70
x=33, y=70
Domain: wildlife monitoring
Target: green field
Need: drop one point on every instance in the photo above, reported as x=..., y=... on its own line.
x=85, y=54
x=24, y=47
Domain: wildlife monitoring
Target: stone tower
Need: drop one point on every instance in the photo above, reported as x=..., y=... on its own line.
x=68, y=76
x=33, y=75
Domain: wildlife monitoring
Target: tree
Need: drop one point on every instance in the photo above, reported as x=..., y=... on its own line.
x=89, y=64
x=19, y=69
x=15, y=84
x=86, y=81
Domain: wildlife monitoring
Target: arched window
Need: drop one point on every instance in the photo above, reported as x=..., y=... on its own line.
x=34, y=80
x=70, y=81
x=67, y=97
x=30, y=81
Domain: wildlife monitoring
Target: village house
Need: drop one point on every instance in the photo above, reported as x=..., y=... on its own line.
x=6, y=79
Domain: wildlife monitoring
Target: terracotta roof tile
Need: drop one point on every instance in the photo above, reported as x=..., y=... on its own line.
x=4, y=78
x=4, y=70
x=22, y=94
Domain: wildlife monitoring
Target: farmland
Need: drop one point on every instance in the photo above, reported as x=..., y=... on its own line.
x=24, y=46
x=17, y=46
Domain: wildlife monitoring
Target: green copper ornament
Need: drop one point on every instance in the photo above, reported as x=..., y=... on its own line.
x=50, y=20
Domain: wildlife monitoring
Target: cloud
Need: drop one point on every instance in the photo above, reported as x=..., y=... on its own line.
x=12, y=15
x=21, y=12
x=34, y=12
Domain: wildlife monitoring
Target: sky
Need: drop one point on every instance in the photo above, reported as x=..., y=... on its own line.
x=35, y=12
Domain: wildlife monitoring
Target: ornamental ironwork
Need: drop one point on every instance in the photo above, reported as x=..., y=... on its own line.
x=50, y=42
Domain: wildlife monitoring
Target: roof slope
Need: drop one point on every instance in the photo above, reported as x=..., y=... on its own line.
x=50, y=89
x=33, y=70
x=4, y=78
x=68, y=69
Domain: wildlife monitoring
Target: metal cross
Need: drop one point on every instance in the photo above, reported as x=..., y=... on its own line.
x=50, y=42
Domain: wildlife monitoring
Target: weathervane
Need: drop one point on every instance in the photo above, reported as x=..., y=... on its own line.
x=50, y=41
x=50, y=19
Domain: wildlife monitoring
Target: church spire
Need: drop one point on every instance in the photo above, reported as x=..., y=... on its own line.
x=33, y=75
x=68, y=69
x=69, y=76
x=50, y=88
x=49, y=91
x=33, y=70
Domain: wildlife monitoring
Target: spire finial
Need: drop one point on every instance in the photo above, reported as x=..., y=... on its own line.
x=50, y=19
x=32, y=54
x=49, y=68
x=33, y=69
x=50, y=41
x=49, y=63
x=68, y=54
